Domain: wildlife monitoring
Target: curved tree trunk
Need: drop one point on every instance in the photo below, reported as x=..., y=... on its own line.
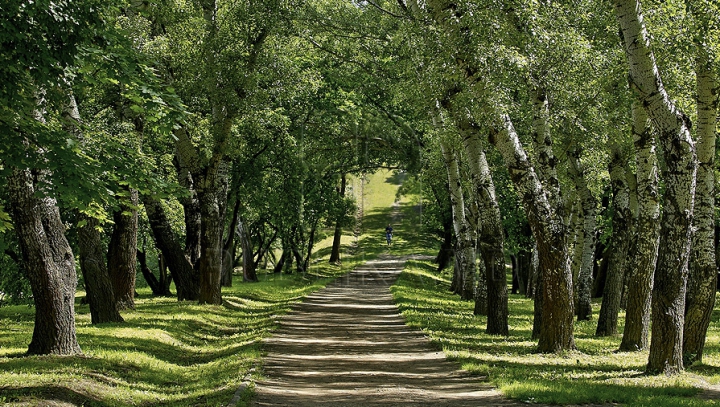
x=556, y=330
x=702, y=280
x=186, y=278
x=49, y=262
x=668, y=304
x=122, y=252
x=620, y=244
x=589, y=209
x=644, y=260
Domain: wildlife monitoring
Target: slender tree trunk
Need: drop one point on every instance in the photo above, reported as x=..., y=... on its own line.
x=668, y=304
x=249, y=272
x=645, y=253
x=191, y=210
x=49, y=262
x=464, y=253
x=186, y=278
x=620, y=244
x=229, y=248
x=702, y=280
x=490, y=238
x=122, y=252
x=157, y=286
x=335, y=253
x=556, y=331
x=100, y=295
x=589, y=209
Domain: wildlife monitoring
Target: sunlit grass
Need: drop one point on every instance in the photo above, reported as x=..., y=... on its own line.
x=595, y=373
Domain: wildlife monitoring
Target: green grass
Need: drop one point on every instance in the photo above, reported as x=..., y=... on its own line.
x=594, y=374
x=176, y=353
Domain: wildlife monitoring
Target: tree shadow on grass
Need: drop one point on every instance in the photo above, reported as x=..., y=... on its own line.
x=43, y=395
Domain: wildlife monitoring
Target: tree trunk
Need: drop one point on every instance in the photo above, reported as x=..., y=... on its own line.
x=556, y=331
x=620, y=244
x=337, y=236
x=668, y=304
x=158, y=289
x=490, y=238
x=213, y=200
x=645, y=253
x=186, y=278
x=99, y=290
x=191, y=207
x=249, y=272
x=589, y=209
x=464, y=253
x=122, y=252
x=229, y=248
x=49, y=262
x=702, y=280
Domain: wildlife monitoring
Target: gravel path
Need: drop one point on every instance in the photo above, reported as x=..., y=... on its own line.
x=347, y=345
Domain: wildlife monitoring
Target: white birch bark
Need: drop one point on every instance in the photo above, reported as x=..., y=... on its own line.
x=668, y=305
x=702, y=280
x=490, y=235
x=465, y=253
x=556, y=330
x=589, y=209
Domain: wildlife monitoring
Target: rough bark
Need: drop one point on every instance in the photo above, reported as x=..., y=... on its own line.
x=122, y=252
x=620, y=244
x=464, y=252
x=668, y=304
x=98, y=286
x=647, y=236
x=186, y=278
x=556, y=330
x=702, y=279
x=99, y=290
x=589, y=209
x=49, y=262
x=490, y=235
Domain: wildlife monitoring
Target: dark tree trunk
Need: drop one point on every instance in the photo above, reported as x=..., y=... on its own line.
x=191, y=210
x=622, y=224
x=212, y=191
x=337, y=236
x=186, y=278
x=446, y=248
x=249, y=272
x=279, y=265
x=100, y=296
x=158, y=289
x=49, y=262
x=122, y=252
x=515, y=280
x=229, y=248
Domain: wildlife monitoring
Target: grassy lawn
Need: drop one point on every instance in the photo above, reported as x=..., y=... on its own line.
x=176, y=353
x=594, y=374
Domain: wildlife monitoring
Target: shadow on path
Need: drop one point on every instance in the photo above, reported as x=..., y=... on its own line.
x=347, y=345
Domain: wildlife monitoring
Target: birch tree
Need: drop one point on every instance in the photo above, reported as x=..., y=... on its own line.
x=668, y=304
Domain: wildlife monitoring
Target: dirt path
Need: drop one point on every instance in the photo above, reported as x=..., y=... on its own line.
x=347, y=345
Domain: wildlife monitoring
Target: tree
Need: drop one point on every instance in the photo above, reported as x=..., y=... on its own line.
x=668, y=304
